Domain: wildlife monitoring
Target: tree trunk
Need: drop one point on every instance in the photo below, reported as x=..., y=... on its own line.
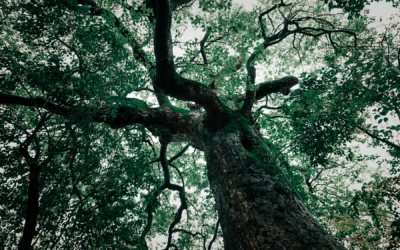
x=32, y=209
x=257, y=207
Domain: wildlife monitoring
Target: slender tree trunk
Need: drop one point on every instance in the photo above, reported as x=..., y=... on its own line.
x=256, y=205
x=33, y=207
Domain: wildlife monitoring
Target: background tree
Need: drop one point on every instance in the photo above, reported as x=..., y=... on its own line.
x=109, y=140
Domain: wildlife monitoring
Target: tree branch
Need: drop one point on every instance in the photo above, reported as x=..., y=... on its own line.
x=33, y=190
x=188, y=232
x=281, y=4
x=167, y=184
x=250, y=86
x=179, y=154
x=161, y=117
x=139, y=54
x=215, y=235
x=202, y=42
x=172, y=83
x=249, y=98
x=282, y=86
x=137, y=48
x=377, y=138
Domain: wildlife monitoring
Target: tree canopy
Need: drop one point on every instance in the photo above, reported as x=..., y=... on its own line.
x=107, y=106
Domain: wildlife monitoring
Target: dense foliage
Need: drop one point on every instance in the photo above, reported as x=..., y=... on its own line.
x=99, y=181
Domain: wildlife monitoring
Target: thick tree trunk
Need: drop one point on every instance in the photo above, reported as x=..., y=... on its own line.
x=256, y=205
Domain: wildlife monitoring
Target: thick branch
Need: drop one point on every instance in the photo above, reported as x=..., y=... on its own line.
x=172, y=83
x=33, y=207
x=163, y=40
x=161, y=117
x=250, y=65
x=276, y=38
x=282, y=86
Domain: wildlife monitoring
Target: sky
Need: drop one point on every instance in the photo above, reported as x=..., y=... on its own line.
x=380, y=10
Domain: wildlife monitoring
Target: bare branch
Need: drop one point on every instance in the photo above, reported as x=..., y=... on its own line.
x=267, y=13
x=202, y=42
x=179, y=154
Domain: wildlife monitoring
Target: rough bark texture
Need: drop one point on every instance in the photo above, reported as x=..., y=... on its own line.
x=257, y=207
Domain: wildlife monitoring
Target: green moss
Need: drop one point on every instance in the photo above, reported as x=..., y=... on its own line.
x=174, y=108
x=139, y=104
x=237, y=123
x=259, y=156
x=252, y=159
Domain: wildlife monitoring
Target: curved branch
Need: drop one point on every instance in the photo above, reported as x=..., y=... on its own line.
x=167, y=184
x=282, y=4
x=195, y=54
x=170, y=82
x=202, y=42
x=250, y=86
x=279, y=116
x=179, y=154
x=188, y=232
x=276, y=38
x=215, y=235
x=268, y=107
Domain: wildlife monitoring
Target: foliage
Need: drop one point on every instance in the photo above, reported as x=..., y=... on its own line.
x=98, y=180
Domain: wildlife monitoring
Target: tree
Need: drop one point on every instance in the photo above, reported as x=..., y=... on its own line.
x=80, y=168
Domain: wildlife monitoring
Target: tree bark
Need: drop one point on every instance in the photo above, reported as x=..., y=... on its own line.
x=257, y=207
x=33, y=207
